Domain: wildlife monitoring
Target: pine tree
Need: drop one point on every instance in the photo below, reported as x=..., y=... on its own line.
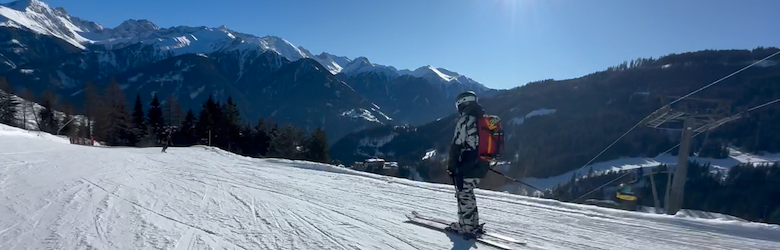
x=231, y=123
x=139, y=121
x=47, y=122
x=274, y=130
x=68, y=123
x=8, y=108
x=187, y=134
x=287, y=144
x=317, y=147
x=5, y=86
x=208, y=120
x=8, y=105
x=262, y=138
x=774, y=217
x=156, y=121
x=230, y=111
x=115, y=122
x=93, y=103
x=28, y=111
x=172, y=111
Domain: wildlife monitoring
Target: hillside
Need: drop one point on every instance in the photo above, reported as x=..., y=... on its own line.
x=555, y=126
x=206, y=198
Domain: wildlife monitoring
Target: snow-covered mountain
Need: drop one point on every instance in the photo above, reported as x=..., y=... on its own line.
x=362, y=65
x=446, y=77
x=47, y=49
x=39, y=17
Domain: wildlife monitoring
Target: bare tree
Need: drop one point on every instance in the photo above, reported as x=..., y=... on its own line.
x=28, y=108
x=47, y=120
x=92, y=103
x=69, y=128
x=114, y=123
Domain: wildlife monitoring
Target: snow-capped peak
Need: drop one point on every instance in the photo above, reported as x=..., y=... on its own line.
x=340, y=60
x=60, y=11
x=334, y=63
x=444, y=76
x=38, y=17
x=283, y=47
x=330, y=64
x=362, y=65
x=431, y=72
x=137, y=26
x=29, y=5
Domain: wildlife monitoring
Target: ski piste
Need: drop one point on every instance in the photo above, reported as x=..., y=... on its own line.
x=488, y=233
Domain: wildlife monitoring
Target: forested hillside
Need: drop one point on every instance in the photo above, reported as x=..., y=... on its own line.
x=554, y=126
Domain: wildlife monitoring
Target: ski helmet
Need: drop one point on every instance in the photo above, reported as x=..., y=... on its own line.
x=465, y=99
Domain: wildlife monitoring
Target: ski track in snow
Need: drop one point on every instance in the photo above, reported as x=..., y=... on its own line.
x=75, y=197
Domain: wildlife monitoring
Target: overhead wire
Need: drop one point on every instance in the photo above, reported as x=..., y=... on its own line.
x=673, y=102
x=675, y=146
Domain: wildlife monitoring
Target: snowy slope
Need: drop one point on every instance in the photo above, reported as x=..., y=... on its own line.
x=62, y=196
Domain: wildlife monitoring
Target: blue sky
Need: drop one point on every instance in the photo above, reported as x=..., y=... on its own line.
x=501, y=43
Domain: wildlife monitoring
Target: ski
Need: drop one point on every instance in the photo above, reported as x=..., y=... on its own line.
x=487, y=233
x=443, y=228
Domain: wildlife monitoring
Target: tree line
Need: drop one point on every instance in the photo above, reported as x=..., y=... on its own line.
x=218, y=124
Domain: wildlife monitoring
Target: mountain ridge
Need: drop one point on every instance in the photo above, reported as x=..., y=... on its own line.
x=39, y=17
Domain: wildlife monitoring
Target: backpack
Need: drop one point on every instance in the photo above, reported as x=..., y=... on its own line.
x=491, y=138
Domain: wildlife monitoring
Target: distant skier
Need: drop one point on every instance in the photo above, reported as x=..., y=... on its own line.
x=476, y=143
x=166, y=143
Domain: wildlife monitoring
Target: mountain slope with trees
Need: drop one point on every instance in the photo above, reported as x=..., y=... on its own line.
x=555, y=126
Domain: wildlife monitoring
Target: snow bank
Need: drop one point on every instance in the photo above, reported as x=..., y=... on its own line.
x=694, y=214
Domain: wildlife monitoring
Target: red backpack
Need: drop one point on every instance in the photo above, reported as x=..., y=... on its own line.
x=491, y=137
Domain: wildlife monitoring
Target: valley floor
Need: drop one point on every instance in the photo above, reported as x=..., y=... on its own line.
x=54, y=195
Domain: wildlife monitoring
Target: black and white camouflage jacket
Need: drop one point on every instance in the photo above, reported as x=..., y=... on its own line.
x=463, y=149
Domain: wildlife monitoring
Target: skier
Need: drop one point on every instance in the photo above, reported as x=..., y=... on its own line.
x=166, y=143
x=465, y=166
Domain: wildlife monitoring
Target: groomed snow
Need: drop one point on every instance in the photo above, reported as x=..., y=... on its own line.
x=55, y=195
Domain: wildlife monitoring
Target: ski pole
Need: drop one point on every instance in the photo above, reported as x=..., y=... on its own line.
x=515, y=180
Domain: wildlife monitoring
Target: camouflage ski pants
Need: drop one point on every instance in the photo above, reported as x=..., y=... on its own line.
x=468, y=216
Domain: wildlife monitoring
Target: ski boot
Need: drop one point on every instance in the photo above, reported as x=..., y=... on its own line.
x=467, y=235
